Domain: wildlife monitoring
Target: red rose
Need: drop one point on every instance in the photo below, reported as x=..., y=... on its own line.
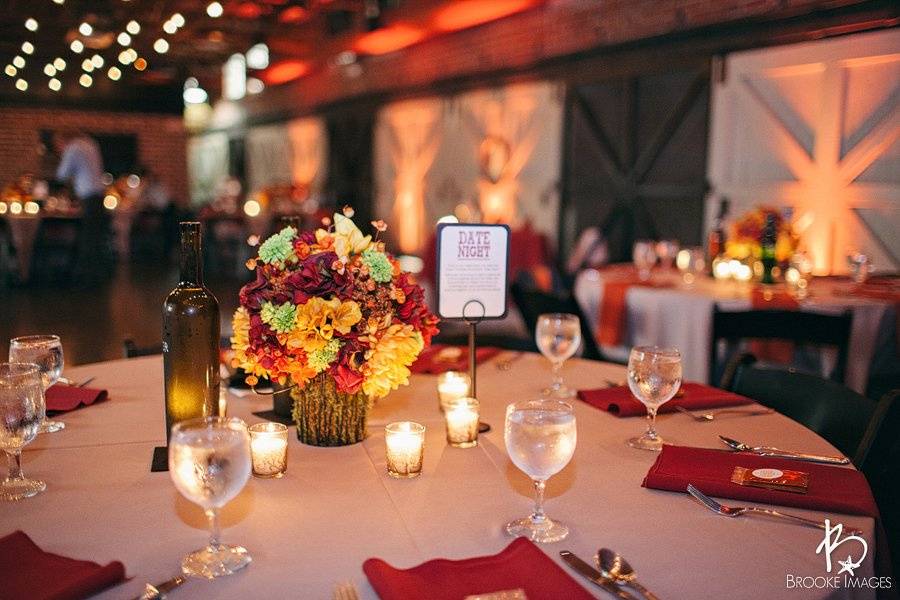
x=348, y=380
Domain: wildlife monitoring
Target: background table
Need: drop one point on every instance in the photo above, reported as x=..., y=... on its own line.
x=681, y=316
x=337, y=507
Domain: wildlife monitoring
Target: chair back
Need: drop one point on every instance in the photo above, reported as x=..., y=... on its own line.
x=132, y=350
x=533, y=303
x=799, y=327
x=835, y=412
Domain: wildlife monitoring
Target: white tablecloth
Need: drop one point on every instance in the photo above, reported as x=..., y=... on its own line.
x=337, y=507
x=681, y=316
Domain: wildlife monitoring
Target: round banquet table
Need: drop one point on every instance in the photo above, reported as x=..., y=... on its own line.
x=336, y=507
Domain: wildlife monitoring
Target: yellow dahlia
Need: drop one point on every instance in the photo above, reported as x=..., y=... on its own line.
x=387, y=364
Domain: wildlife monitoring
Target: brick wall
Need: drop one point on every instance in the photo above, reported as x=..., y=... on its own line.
x=161, y=140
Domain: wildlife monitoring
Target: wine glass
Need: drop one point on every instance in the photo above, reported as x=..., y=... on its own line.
x=21, y=412
x=540, y=438
x=654, y=376
x=666, y=251
x=644, y=256
x=691, y=262
x=558, y=336
x=46, y=352
x=209, y=461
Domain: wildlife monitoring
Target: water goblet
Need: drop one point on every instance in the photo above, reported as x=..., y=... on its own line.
x=47, y=353
x=654, y=377
x=558, y=336
x=666, y=251
x=21, y=412
x=540, y=438
x=209, y=461
x=644, y=256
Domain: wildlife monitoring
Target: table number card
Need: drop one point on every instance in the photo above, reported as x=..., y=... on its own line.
x=472, y=263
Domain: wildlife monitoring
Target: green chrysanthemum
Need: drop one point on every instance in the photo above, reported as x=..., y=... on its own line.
x=379, y=266
x=280, y=318
x=279, y=247
x=324, y=356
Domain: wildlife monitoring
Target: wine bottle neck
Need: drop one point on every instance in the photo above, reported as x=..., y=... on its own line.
x=191, y=254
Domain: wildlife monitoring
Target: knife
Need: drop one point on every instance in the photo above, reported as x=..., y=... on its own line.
x=778, y=453
x=594, y=576
x=159, y=591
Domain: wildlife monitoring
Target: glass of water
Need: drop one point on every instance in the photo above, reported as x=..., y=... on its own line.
x=540, y=438
x=691, y=262
x=558, y=336
x=209, y=461
x=666, y=250
x=654, y=377
x=644, y=256
x=21, y=412
x=46, y=352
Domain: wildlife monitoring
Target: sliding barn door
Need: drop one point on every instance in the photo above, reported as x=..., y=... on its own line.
x=816, y=126
x=637, y=142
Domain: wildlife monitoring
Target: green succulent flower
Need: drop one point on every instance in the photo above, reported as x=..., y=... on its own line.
x=279, y=247
x=379, y=266
x=280, y=318
x=324, y=356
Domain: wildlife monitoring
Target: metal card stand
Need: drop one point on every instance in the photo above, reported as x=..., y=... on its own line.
x=473, y=322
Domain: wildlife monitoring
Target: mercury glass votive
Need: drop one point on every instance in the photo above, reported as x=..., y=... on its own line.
x=452, y=385
x=405, y=446
x=461, y=417
x=268, y=449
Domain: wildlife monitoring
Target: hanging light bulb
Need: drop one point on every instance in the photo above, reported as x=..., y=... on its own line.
x=124, y=39
x=133, y=27
x=161, y=46
x=76, y=46
x=85, y=80
x=140, y=64
x=59, y=63
x=114, y=73
x=11, y=70
x=49, y=70
x=21, y=85
x=85, y=29
x=19, y=62
x=97, y=61
x=178, y=20
x=54, y=84
x=31, y=24
x=170, y=27
x=28, y=48
x=215, y=10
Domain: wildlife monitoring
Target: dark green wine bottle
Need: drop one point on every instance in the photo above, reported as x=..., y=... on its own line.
x=190, y=338
x=767, y=249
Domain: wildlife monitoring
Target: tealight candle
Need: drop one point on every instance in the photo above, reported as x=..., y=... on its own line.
x=268, y=449
x=461, y=416
x=452, y=385
x=405, y=445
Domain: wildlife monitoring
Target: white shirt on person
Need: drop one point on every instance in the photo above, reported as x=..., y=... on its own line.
x=82, y=164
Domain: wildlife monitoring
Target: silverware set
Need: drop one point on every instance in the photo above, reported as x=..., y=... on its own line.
x=711, y=416
x=159, y=591
x=779, y=453
x=70, y=383
x=612, y=573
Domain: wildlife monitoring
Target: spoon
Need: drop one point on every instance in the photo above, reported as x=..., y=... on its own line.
x=617, y=569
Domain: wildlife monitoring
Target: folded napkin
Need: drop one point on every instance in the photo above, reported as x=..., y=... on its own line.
x=520, y=565
x=61, y=398
x=440, y=358
x=696, y=396
x=27, y=572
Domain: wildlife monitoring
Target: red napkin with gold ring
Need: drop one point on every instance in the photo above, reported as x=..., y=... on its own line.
x=26, y=571
x=621, y=402
x=62, y=398
x=440, y=358
x=521, y=565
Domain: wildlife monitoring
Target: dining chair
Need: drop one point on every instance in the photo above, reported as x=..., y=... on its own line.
x=858, y=426
x=132, y=350
x=799, y=327
x=532, y=303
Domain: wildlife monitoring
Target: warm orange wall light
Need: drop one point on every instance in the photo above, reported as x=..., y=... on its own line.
x=468, y=13
x=388, y=39
x=284, y=71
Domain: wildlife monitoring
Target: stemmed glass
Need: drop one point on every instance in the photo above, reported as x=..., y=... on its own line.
x=666, y=251
x=644, y=256
x=540, y=438
x=46, y=352
x=209, y=461
x=691, y=262
x=558, y=336
x=21, y=412
x=654, y=376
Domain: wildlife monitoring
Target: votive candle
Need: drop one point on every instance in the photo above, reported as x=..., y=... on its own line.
x=268, y=449
x=452, y=385
x=461, y=416
x=405, y=446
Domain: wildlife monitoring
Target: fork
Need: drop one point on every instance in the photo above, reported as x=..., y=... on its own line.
x=345, y=590
x=737, y=511
x=710, y=416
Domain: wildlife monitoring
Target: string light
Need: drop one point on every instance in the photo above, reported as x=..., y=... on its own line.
x=97, y=61
x=161, y=46
x=254, y=85
x=31, y=25
x=49, y=70
x=214, y=10
x=133, y=27
x=178, y=20
x=59, y=1
x=54, y=84
x=21, y=85
x=85, y=80
x=124, y=39
x=76, y=46
x=170, y=27
x=28, y=48
x=87, y=65
x=19, y=62
x=11, y=70
x=140, y=64
x=59, y=63
x=85, y=29
x=114, y=73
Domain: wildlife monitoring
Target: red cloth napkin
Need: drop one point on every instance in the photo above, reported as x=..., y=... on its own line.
x=61, y=398
x=521, y=565
x=27, y=572
x=432, y=361
x=620, y=401
x=777, y=351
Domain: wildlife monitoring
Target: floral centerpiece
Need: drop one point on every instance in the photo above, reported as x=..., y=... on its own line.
x=743, y=243
x=331, y=314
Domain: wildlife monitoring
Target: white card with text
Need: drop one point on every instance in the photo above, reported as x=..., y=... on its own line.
x=471, y=270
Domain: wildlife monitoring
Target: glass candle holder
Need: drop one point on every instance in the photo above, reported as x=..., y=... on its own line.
x=268, y=449
x=405, y=446
x=452, y=385
x=461, y=417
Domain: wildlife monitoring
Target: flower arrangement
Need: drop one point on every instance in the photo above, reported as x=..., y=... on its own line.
x=744, y=239
x=331, y=312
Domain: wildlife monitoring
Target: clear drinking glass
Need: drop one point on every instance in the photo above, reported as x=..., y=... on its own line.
x=666, y=251
x=558, y=336
x=644, y=256
x=691, y=262
x=209, y=461
x=46, y=352
x=654, y=376
x=21, y=412
x=859, y=266
x=540, y=438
